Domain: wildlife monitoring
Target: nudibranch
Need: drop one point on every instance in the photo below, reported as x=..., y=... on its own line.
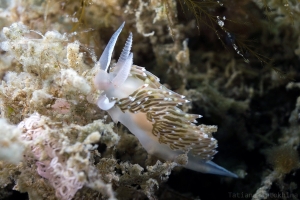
x=133, y=96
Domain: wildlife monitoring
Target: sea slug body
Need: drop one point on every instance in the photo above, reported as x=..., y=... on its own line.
x=133, y=96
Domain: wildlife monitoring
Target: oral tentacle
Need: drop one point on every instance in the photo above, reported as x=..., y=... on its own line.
x=104, y=104
x=105, y=58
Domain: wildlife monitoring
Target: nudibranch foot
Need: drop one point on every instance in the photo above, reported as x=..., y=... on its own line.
x=135, y=97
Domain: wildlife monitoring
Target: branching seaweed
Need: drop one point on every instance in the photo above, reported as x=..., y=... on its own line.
x=202, y=10
x=170, y=16
x=81, y=19
x=202, y=13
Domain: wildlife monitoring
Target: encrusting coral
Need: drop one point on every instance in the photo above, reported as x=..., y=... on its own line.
x=57, y=144
x=54, y=81
x=61, y=148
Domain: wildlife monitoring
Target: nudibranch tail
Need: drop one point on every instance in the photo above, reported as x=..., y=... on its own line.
x=135, y=97
x=208, y=167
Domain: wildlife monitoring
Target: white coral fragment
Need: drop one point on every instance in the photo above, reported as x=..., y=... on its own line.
x=73, y=82
x=92, y=138
x=11, y=147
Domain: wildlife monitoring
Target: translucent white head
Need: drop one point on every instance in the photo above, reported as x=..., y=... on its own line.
x=109, y=81
x=102, y=80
